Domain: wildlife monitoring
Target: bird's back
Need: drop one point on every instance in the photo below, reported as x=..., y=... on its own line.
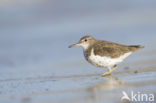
x=110, y=49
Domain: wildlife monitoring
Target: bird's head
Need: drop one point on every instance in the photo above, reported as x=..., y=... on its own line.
x=84, y=42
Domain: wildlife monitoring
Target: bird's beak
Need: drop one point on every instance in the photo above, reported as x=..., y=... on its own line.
x=73, y=45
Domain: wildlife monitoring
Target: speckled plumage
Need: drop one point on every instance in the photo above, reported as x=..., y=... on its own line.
x=103, y=53
x=105, y=61
x=110, y=49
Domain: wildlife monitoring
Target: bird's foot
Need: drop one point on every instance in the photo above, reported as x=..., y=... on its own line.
x=106, y=74
x=109, y=72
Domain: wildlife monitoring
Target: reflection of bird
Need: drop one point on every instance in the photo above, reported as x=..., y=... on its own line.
x=108, y=84
x=100, y=90
x=104, y=53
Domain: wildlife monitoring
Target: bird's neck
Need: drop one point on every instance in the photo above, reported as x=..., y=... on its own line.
x=87, y=52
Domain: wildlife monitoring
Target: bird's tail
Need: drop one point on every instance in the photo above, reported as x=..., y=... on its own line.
x=135, y=47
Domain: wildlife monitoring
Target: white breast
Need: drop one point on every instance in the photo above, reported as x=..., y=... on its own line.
x=106, y=61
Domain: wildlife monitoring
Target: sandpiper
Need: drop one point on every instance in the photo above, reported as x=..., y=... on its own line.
x=103, y=53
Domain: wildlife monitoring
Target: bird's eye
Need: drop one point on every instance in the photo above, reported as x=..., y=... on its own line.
x=85, y=40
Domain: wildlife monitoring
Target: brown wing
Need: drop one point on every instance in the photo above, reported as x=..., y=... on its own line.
x=110, y=49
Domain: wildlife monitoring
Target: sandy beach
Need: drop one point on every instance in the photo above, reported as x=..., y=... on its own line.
x=38, y=67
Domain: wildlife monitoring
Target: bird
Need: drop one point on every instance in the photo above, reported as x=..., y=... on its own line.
x=105, y=54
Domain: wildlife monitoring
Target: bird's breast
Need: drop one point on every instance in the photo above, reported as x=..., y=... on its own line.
x=105, y=61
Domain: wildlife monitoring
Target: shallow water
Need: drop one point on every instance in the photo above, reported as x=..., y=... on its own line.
x=37, y=65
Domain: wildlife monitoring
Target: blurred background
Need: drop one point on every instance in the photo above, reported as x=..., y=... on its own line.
x=36, y=64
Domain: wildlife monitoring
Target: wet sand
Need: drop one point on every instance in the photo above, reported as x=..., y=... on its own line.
x=80, y=88
x=38, y=67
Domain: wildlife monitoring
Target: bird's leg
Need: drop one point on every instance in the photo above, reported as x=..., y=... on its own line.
x=114, y=67
x=109, y=71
